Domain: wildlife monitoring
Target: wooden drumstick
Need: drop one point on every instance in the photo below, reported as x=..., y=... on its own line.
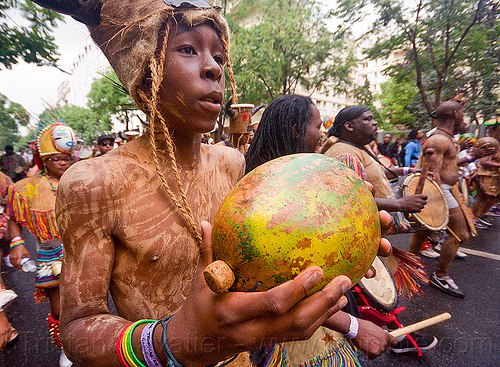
x=423, y=174
x=420, y=325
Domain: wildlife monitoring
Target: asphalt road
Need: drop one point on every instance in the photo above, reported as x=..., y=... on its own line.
x=469, y=338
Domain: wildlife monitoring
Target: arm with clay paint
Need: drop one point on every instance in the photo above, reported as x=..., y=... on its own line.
x=88, y=331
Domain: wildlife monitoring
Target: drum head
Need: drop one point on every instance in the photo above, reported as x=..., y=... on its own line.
x=380, y=290
x=386, y=161
x=435, y=215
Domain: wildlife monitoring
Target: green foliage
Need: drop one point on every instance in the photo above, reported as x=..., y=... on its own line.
x=33, y=42
x=279, y=44
x=108, y=99
x=83, y=121
x=12, y=115
x=364, y=97
x=396, y=99
x=452, y=45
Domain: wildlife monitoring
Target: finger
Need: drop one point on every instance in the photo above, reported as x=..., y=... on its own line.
x=206, y=250
x=385, y=219
x=280, y=300
x=385, y=247
x=370, y=273
x=305, y=317
x=370, y=186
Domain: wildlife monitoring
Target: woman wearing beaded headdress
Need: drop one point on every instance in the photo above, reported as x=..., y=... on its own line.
x=130, y=219
x=32, y=205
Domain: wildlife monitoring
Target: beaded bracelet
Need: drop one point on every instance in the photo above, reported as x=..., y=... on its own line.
x=147, y=343
x=16, y=242
x=171, y=361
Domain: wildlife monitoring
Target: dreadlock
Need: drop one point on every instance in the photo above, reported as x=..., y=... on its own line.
x=275, y=136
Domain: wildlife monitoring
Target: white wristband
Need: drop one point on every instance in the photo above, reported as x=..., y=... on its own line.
x=469, y=158
x=353, y=328
x=406, y=170
x=16, y=239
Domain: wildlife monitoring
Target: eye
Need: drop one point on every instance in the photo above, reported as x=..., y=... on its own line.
x=189, y=50
x=219, y=59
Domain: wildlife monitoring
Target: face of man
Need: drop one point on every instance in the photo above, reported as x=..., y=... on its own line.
x=458, y=114
x=387, y=139
x=362, y=129
x=420, y=134
x=193, y=84
x=105, y=146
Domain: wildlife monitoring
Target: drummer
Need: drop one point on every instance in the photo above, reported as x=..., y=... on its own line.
x=355, y=128
x=440, y=156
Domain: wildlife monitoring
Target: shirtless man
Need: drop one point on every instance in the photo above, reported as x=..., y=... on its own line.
x=129, y=219
x=440, y=154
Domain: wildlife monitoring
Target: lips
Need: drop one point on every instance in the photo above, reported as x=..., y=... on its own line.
x=212, y=102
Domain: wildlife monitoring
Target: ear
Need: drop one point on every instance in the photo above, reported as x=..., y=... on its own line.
x=349, y=126
x=295, y=130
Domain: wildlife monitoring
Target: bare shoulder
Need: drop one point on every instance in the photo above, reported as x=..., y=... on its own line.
x=225, y=158
x=438, y=142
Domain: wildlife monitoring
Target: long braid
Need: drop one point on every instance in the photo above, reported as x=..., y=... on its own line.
x=157, y=78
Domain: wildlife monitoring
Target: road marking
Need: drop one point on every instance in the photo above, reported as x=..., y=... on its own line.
x=480, y=253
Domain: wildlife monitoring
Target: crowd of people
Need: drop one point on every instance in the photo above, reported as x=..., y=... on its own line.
x=135, y=221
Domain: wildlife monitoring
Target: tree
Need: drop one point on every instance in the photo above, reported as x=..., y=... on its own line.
x=272, y=57
x=363, y=96
x=12, y=115
x=396, y=100
x=433, y=31
x=108, y=99
x=33, y=42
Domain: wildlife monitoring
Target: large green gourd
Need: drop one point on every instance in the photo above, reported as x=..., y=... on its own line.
x=292, y=213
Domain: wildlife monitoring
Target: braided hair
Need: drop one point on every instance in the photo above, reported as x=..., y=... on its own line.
x=275, y=136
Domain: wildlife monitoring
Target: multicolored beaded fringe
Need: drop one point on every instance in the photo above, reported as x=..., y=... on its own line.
x=42, y=224
x=410, y=275
x=342, y=355
x=276, y=357
x=353, y=163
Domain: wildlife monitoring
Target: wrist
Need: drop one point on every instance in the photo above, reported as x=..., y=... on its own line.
x=353, y=328
x=16, y=241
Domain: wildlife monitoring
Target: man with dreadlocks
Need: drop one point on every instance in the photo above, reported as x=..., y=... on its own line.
x=129, y=219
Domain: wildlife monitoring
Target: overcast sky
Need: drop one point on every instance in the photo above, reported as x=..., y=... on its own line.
x=35, y=87
x=31, y=85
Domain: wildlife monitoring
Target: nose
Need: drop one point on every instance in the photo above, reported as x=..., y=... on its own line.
x=212, y=69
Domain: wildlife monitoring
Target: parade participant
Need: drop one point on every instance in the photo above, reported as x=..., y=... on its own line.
x=412, y=148
x=7, y=331
x=439, y=154
x=105, y=144
x=5, y=182
x=488, y=181
x=355, y=128
x=130, y=219
x=291, y=124
x=12, y=164
x=32, y=205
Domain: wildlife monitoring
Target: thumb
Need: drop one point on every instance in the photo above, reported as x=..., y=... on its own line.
x=206, y=250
